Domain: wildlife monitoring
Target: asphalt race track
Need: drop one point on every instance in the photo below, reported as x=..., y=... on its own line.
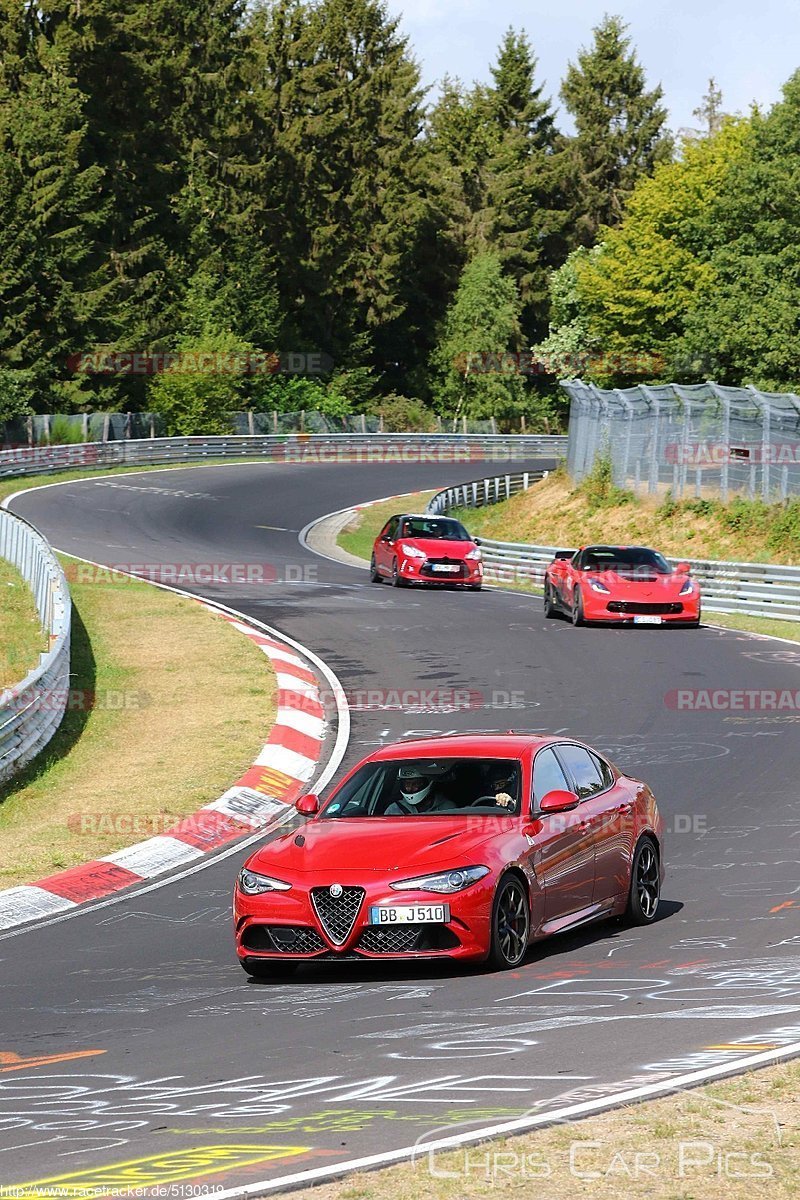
x=248, y=1082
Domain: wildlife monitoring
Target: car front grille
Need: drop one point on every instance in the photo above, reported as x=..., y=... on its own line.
x=406, y=939
x=337, y=914
x=634, y=607
x=283, y=939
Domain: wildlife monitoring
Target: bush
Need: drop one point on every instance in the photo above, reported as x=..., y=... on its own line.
x=403, y=415
x=194, y=403
x=599, y=488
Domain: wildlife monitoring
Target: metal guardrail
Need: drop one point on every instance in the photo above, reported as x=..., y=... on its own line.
x=755, y=589
x=313, y=447
x=31, y=711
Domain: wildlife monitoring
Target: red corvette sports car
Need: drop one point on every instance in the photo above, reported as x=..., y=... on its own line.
x=628, y=584
x=460, y=847
x=426, y=549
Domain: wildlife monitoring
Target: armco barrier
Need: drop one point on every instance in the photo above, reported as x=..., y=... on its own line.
x=756, y=589
x=333, y=447
x=31, y=711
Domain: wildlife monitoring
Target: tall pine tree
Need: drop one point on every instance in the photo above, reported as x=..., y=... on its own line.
x=620, y=128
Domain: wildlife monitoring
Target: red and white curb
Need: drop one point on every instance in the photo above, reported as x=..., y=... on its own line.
x=264, y=796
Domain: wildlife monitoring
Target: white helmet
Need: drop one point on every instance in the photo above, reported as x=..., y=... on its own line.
x=414, y=786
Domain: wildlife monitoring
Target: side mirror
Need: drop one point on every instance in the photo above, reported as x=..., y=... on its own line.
x=558, y=801
x=682, y=568
x=477, y=541
x=308, y=805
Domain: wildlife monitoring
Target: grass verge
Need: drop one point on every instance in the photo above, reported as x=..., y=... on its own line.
x=168, y=707
x=740, y=1138
x=359, y=535
x=21, y=636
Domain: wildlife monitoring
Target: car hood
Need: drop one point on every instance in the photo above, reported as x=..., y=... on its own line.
x=387, y=844
x=439, y=548
x=640, y=585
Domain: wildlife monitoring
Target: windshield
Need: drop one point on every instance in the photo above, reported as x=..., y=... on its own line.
x=430, y=787
x=442, y=529
x=627, y=560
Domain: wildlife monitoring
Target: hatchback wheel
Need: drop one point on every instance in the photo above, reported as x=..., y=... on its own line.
x=645, y=884
x=374, y=575
x=397, y=580
x=510, y=925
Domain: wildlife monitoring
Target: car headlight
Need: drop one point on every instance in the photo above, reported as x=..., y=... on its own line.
x=597, y=586
x=687, y=588
x=474, y=555
x=446, y=882
x=411, y=551
x=253, y=884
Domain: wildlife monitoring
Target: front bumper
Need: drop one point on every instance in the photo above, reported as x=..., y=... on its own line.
x=685, y=611
x=286, y=926
x=421, y=571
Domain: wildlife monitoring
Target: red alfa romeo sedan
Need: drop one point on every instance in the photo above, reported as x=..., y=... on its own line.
x=428, y=550
x=629, y=584
x=464, y=847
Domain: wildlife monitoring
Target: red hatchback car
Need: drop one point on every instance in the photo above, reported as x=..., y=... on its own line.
x=629, y=584
x=461, y=847
x=426, y=549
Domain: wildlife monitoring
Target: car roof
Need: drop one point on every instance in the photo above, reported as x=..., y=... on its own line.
x=424, y=517
x=466, y=745
x=611, y=546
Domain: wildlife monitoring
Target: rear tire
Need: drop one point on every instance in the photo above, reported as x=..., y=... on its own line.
x=374, y=575
x=576, y=615
x=511, y=925
x=475, y=587
x=269, y=970
x=549, y=603
x=645, y=891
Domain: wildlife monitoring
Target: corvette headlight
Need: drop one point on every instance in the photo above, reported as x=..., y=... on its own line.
x=597, y=586
x=687, y=588
x=253, y=884
x=446, y=882
x=411, y=551
x=474, y=555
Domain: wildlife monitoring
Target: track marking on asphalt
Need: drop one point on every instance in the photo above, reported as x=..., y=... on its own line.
x=276, y=528
x=155, y=1170
x=9, y=1061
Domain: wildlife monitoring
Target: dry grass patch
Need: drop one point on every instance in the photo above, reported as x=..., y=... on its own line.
x=21, y=636
x=737, y=1139
x=170, y=705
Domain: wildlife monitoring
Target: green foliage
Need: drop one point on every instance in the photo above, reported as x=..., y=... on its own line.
x=17, y=394
x=480, y=329
x=777, y=526
x=196, y=401
x=403, y=415
x=620, y=128
x=599, y=488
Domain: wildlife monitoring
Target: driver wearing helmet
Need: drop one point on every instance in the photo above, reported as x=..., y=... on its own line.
x=417, y=795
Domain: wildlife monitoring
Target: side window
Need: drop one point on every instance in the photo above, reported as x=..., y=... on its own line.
x=584, y=769
x=606, y=774
x=577, y=560
x=547, y=776
x=390, y=528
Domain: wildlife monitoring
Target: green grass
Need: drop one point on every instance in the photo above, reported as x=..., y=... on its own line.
x=132, y=755
x=21, y=636
x=357, y=537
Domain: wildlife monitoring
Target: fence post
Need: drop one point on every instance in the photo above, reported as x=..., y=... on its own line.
x=652, y=485
x=251, y=423
x=85, y=427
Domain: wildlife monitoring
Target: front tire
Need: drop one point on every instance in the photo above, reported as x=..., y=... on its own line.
x=549, y=603
x=511, y=925
x=576, y=615
x=397, y=580
x=374, y=574
x=645, y=890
